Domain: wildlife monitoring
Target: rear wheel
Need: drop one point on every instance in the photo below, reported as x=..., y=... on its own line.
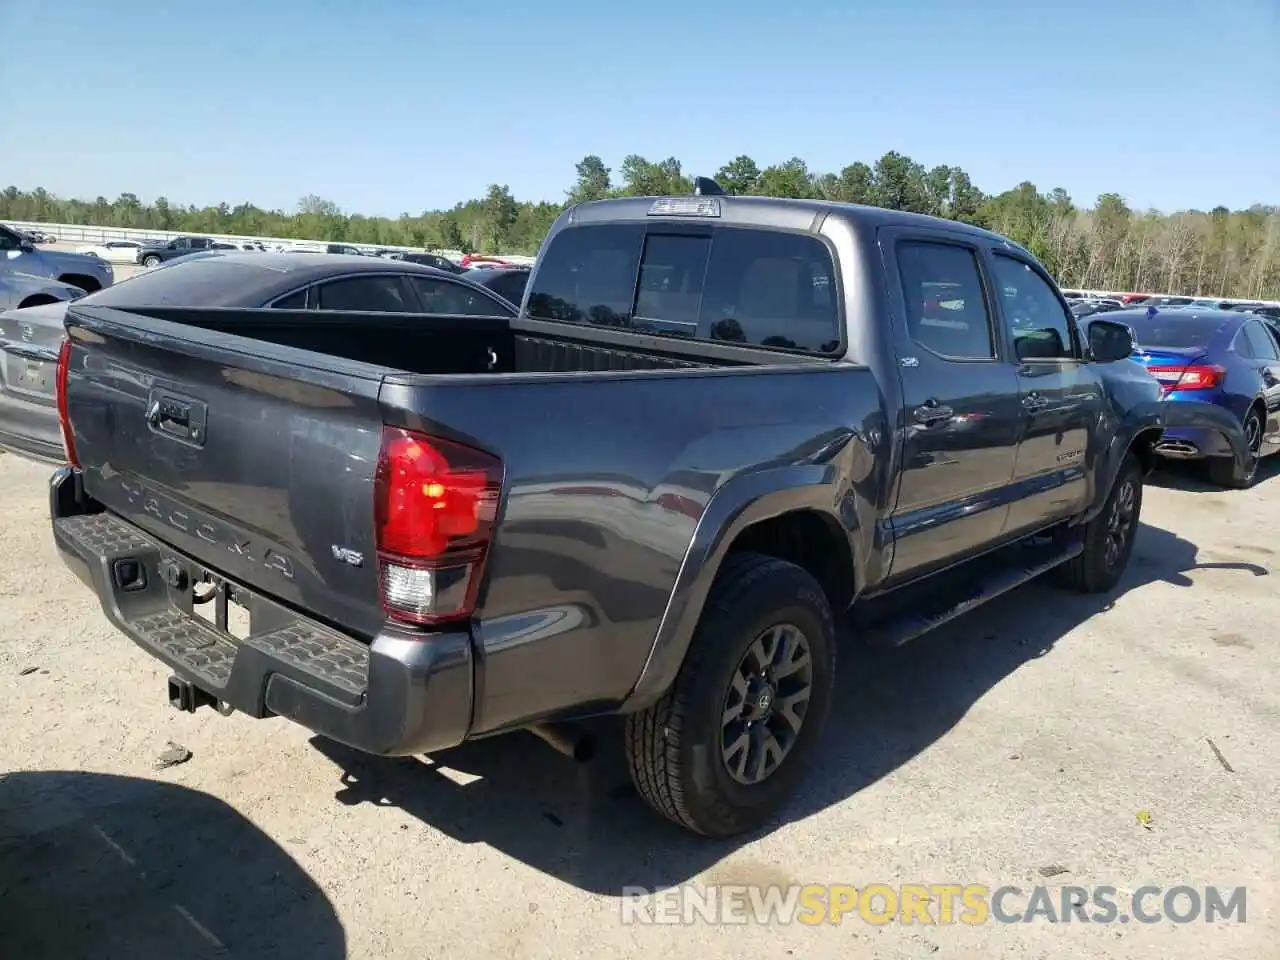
x=152, y=261
x=727, y=744
x=1109, y=537
x=1222, y=470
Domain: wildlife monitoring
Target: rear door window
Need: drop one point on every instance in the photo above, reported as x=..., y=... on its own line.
x=946, y=307
x=377, y=293
x=731, y=284
x=1254, y=342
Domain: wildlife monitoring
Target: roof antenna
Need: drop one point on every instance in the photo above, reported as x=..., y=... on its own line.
x=706, y=187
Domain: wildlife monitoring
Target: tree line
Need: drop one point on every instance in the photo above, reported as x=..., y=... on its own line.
x=1110, y=246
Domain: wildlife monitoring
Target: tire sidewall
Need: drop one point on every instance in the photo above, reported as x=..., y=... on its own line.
x=791, y=597
x=1129, y=471
x=1255, y=455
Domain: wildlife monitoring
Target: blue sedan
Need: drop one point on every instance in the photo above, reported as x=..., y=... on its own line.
x=1221, y=357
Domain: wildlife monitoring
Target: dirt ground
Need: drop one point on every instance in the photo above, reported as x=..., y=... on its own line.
x=1047, y=739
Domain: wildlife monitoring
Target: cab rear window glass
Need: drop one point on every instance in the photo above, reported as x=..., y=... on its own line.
x=762, y=288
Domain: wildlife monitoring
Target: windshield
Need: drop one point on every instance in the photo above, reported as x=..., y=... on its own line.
x=1177, y=332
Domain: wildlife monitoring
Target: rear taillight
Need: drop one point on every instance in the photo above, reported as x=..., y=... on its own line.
x=1195, y=377
x=64, y=417
x=436, y=503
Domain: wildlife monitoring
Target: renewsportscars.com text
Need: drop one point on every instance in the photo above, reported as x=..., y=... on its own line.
x=931, y=904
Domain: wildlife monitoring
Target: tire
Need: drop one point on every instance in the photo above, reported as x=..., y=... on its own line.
x=1222, y=470
x=1102, y=563
x=151, y=261
x=676, y=748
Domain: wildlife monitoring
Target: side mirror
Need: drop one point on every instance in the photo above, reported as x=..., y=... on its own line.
x=1109, y=341
x=26, y=246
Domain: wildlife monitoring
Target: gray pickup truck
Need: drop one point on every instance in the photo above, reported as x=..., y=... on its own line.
x=718, y=424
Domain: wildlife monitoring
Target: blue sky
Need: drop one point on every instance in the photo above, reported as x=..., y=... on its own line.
x=386, y=106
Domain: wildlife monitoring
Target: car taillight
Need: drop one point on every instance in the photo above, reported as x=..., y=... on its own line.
x=436, y=503
x=1195, y=377
x=64, y=417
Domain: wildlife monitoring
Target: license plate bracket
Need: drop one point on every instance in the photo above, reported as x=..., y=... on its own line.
x=25, y=375
x=223, y=605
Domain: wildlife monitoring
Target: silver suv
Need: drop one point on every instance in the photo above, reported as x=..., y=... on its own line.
x=19, y=254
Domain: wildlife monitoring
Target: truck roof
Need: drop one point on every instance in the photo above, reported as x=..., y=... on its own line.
x=776, y=212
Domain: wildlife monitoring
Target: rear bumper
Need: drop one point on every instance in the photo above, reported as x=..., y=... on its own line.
x=402, y=694
x=1192, y=443
x=1194, y=429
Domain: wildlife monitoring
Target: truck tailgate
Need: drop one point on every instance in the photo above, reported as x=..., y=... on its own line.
x=234, y=453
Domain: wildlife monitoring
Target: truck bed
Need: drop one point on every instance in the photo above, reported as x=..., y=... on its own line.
x=249, y=442
x=439, y=344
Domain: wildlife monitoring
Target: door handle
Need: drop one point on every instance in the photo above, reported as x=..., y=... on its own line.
x=1035, y=401
x=931, y=412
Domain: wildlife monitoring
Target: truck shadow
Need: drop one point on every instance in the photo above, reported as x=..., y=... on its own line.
x=585, y=825
x=119, y=868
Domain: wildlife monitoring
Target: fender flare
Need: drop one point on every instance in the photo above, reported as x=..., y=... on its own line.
x=745, y=500
x=1147, y=419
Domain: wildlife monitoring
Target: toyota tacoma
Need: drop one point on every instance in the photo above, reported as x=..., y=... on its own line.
x=717, y=425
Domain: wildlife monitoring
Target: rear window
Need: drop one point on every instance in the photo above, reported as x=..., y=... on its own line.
x=728, y=284
x=1171, y=330
x=209, y=281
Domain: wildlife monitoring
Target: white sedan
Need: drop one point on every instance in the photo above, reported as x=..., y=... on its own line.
x=115, y=251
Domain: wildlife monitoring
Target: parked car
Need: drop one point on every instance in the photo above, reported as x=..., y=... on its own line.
x=1269, y=310
x=507, y=282
x=31, y=311
x=177, y=247
x=430, y=260
x=1225, y=358
x=214, y=278
x=19, y=255
x=115, y=251
x=1087, y=308
x=433, y=540
x=485, y=260
x=20, y=290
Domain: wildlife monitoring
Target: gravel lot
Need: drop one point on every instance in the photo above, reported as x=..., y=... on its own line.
x=1021, y=743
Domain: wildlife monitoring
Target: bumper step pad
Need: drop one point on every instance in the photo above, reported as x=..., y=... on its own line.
x=307, y=651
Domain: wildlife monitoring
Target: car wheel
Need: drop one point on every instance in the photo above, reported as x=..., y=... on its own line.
x=1109, y=537
x=1222, y=470
x=725, y=747
x=151, y=261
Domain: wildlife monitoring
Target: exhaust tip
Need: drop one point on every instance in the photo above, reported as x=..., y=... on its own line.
x=568, y=739
x=585, y=749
